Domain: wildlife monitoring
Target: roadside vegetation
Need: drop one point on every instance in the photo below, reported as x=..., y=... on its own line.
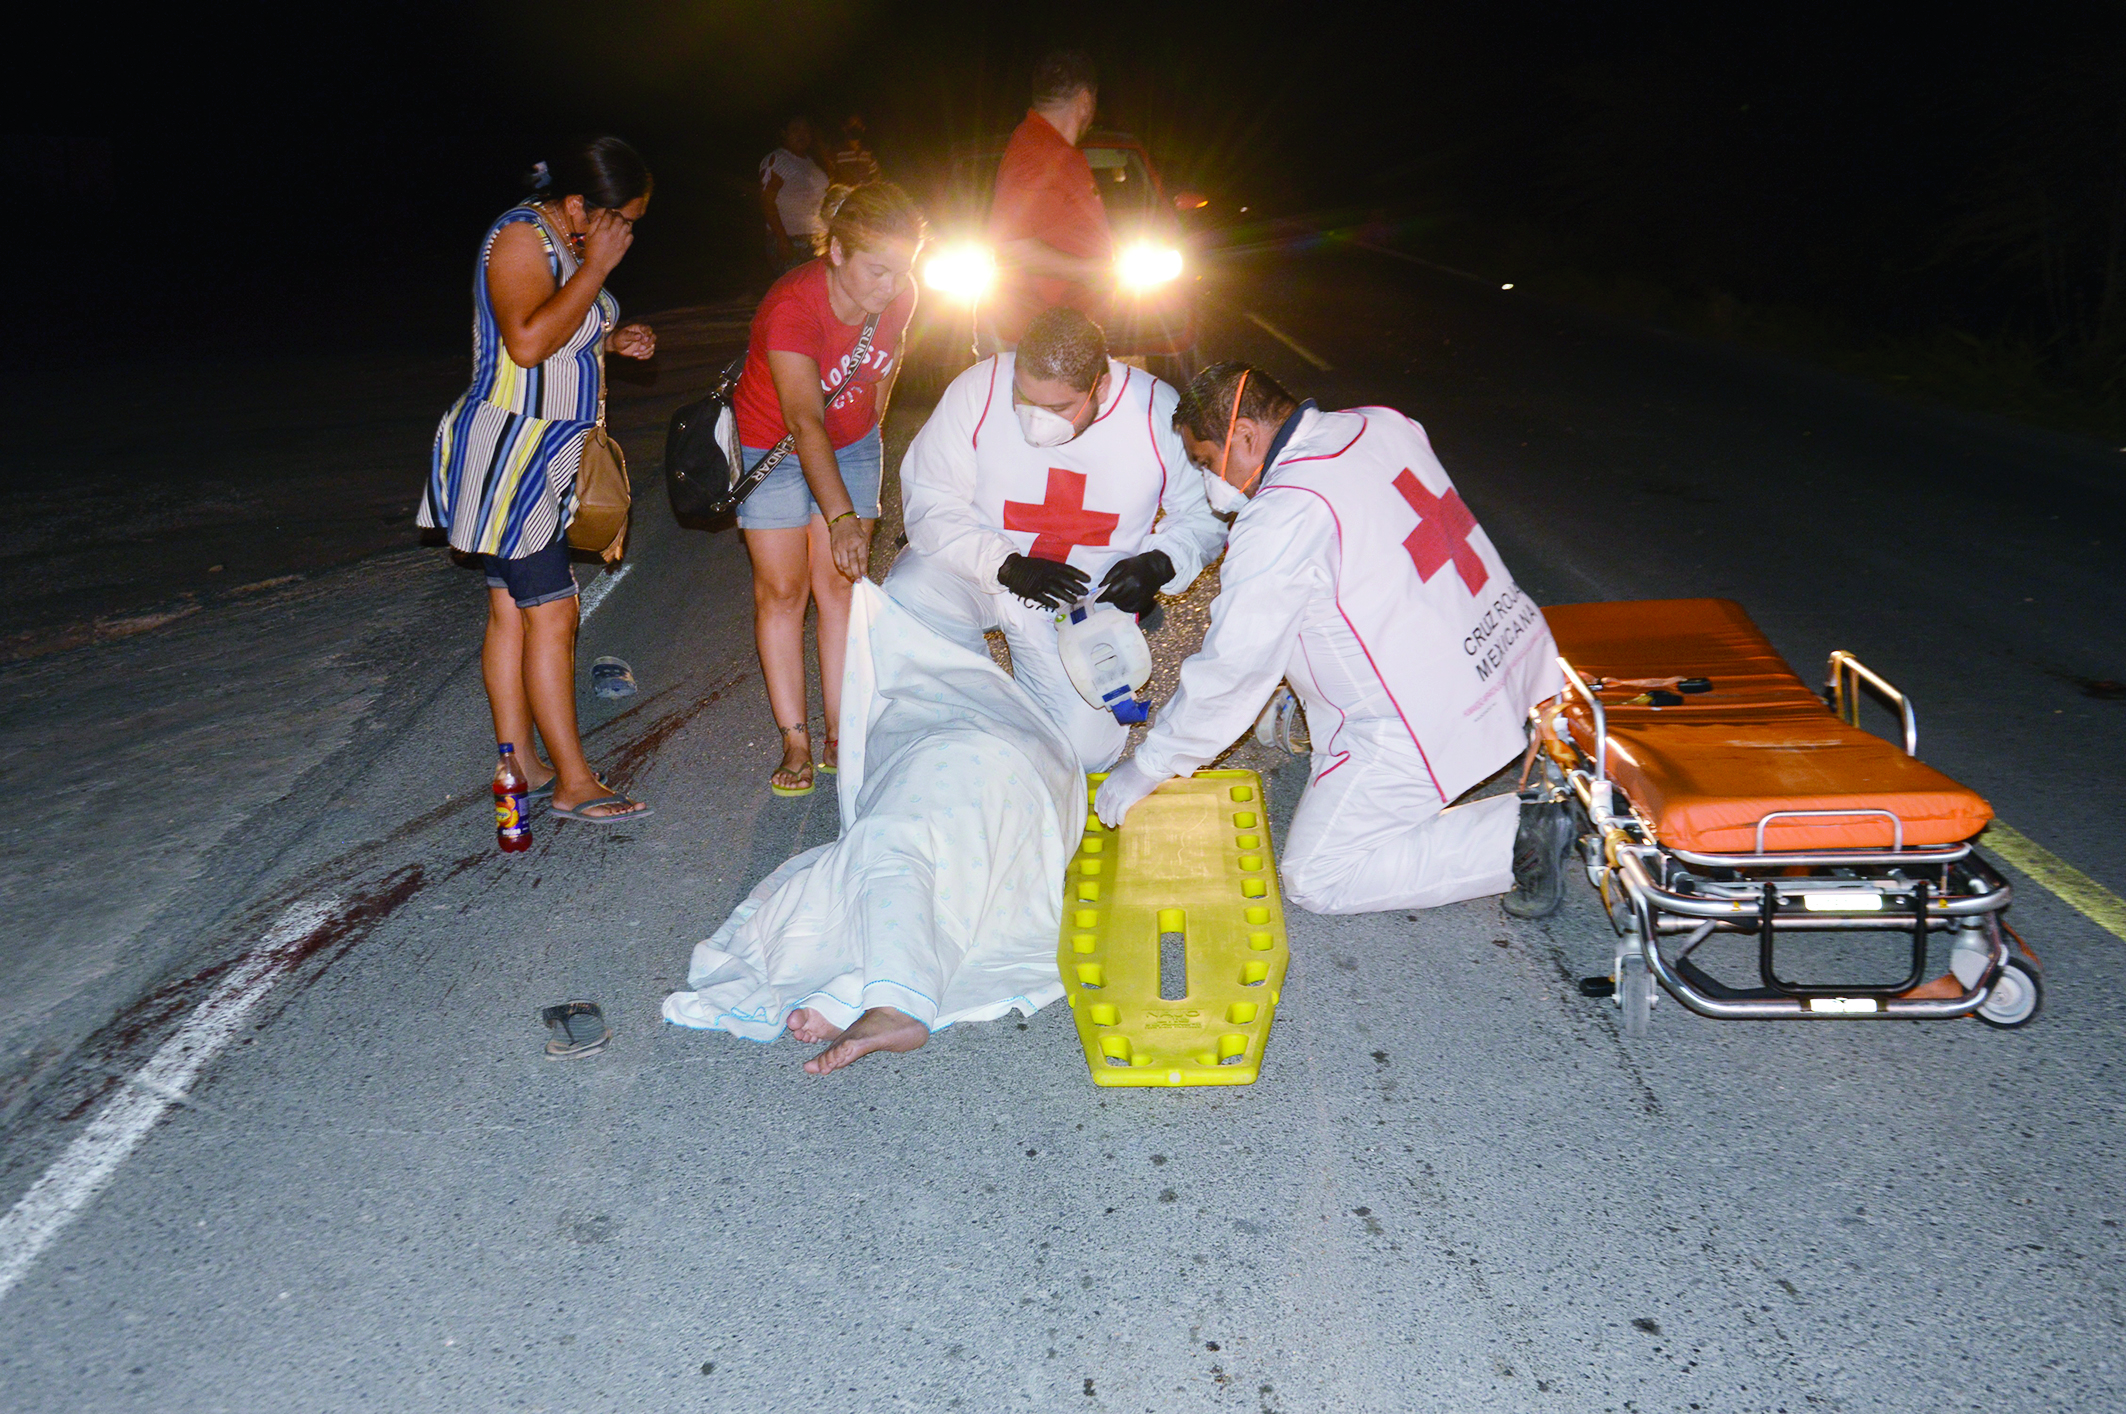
x=2065, y=384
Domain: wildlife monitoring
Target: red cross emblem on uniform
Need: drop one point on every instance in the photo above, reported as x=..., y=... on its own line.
x=1442, y=534
x=1061, y=523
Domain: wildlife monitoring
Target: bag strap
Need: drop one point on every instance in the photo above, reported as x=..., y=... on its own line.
x=856, y=356
x=851, y=361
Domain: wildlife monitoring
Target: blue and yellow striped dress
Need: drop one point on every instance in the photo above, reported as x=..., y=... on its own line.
x=502, y=473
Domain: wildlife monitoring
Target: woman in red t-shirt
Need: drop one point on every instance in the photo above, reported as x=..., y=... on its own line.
x=808, y=524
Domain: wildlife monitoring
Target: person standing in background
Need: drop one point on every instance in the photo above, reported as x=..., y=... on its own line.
x=1046, y=220
x=852, y=163
x=792, y=185
x=808, y=524
x=502, y=473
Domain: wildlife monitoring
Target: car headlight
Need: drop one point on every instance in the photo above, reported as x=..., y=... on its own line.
x=966, y=272
x=1145, y=265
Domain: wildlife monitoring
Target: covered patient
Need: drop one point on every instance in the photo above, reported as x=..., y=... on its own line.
x=961, y=803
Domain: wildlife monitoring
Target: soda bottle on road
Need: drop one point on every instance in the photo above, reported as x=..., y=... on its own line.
x=511, y=785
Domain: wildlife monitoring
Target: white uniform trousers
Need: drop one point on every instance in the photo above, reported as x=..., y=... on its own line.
x=961, y=613
x=1370, y=834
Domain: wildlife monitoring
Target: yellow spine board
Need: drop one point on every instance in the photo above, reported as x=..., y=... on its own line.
x=1192, y=858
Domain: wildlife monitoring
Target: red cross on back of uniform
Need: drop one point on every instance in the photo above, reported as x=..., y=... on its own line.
x=1463, y=656
x=1061, y=523
x=1442, y=533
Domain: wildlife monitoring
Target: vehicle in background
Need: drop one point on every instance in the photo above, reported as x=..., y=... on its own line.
x=1154, y=312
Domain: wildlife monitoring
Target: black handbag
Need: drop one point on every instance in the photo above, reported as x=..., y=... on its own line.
x=704, y=466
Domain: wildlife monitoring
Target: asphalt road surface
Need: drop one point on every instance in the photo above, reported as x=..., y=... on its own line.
x=282, y=1136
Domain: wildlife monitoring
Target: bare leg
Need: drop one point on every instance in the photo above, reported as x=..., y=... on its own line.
x=811, y=1027
x=781, y=589
x=550, y=683
x=502, y=667
x=832, y=594
x=880, y=1029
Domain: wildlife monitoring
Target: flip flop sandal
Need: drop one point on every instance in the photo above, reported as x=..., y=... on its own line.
x=811, y=772
x=543, y=789
x=579, y=1030
x=831, y=768
x=563, y=812
x=610, y=677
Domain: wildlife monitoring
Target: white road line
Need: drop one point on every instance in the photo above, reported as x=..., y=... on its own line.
x=595, y=595
x=1286, y=339
x=1419, y=260
x=74, y=1178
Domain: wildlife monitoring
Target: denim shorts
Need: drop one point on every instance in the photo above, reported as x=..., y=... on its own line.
x=538, y=578
x=784, y=501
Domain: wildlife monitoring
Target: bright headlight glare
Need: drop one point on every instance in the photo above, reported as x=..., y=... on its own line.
x=1144, y=265
x=962, y=272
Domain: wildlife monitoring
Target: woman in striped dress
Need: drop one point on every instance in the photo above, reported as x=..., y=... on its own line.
x=502, y=476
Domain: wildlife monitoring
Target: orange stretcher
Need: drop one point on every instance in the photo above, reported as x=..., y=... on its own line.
x=1721, y=794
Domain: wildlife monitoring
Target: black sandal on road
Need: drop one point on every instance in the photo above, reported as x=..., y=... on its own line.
x=579, y=1030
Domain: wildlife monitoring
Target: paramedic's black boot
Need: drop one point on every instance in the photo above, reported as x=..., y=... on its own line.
x=1539, y=847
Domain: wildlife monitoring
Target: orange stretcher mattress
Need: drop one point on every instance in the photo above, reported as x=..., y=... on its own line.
x=1706, y=771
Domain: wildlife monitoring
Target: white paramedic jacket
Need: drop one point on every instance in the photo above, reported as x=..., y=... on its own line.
x=1356, y=573
x=974, y=492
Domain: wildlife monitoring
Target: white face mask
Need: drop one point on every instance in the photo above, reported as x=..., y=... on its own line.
x=1225, y=498
x=1043, y=428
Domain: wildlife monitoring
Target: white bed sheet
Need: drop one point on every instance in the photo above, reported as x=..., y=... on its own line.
x=961, y=806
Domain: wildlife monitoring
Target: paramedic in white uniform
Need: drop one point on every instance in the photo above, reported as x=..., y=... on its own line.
x=1355, y=573
x=1039, y=475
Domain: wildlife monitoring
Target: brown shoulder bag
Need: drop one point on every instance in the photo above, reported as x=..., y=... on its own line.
x=603, y=495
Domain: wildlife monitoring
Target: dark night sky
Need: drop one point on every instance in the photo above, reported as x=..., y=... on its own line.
x=1825, y=154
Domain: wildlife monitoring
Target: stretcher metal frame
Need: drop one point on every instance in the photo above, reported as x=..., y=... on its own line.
x=1655, y=893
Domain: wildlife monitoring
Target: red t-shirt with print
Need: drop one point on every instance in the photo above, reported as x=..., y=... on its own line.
x=796, y=318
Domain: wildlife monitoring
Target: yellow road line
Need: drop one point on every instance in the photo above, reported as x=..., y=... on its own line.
x=2103, y=907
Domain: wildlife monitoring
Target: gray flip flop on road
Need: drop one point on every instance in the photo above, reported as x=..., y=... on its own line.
x=612, y=677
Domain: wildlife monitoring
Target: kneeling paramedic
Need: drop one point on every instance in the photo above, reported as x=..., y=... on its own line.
x=1355, y=572
x=1039, y=476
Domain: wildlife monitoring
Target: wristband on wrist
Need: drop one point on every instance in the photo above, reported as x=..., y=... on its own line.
x=843, y=516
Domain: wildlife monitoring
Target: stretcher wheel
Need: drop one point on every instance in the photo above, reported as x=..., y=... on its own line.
x=2016, y=997
x=1635, y=993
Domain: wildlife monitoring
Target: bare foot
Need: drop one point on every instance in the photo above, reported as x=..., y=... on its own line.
x=812, y=1028
x=880, y=1029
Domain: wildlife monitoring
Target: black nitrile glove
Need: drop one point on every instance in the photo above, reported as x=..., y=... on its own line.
x=1132, y=585
x=1049, y=583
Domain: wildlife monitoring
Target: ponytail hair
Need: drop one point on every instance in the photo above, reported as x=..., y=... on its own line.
x=865, y=217
x=604, y=171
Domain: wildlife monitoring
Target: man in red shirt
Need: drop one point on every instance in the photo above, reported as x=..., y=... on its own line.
x=1046, y=221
